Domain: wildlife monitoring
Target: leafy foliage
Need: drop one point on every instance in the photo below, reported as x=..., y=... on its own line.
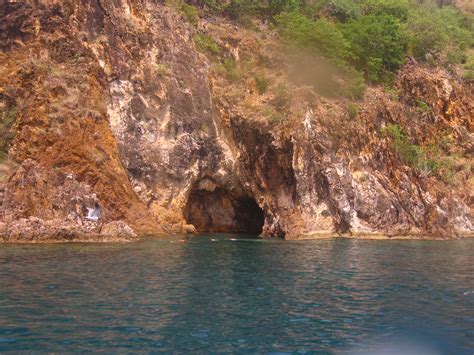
x=356, y=86
x=344, y=10
x=409, y=153
x=230, y=70
x=262, y=83
x=206, y=44
x=423, y=107
x=428, y=160
x=430, y=30
x=7, y=134
x=321, y=36
x=161, y=69
x=190, y=12
x=376, y=45
x=469, y=71
x=372, y=37
x=395, y=8
x=352, y=110
x=237, y=9
x=282, y=96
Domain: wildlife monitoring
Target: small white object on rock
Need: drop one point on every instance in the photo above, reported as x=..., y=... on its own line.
x=93, y=213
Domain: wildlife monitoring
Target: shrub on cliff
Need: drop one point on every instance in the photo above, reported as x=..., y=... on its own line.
x=376, y=45
x=343, y=10
x=229, y=68
x=206, y=44
x=373, y=44
x=407, y=152
x=427, y=159
x=7, y=134
x=161, y=69
x=396, y=8
x=282, y=96
x=215, y=6
x=322, y=36
x=468, y=74
x=188, y=11
x=238, y=9
x=352, y=110
x=262, y=83
x=356, y=86
x=309, y=40
x=431, y=30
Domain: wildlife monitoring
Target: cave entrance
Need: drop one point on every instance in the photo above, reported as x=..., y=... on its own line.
x=219, y=211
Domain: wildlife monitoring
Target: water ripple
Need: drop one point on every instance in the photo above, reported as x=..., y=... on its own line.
x=248, y=296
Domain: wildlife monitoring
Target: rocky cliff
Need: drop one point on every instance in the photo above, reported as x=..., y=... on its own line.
x=167, y=126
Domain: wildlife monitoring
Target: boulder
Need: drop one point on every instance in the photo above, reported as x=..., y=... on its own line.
x=189, y=229
x=118, y=229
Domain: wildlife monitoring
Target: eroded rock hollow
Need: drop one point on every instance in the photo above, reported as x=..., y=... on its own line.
x=211, y=208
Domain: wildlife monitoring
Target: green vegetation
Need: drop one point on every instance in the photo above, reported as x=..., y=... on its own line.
x=409, y=153
x=282, y=96
x=396, y=8
x=161, y=69
x=469, y=73
x=229, y=68
x=352, y=110
x=363, y=40
x=262, y=83
x=190, y=12
x=370, y=36
x=356, y=86
x=321, y=37
x=241, y=9
x=431, y=30
x=343, y=10
x=206, y=44
x=468, y=67
x=272, y=115
x=7, y=134
x=204, y=128
x=376, y=45
x=427, y=159
x=393, y=92
x=423, y=107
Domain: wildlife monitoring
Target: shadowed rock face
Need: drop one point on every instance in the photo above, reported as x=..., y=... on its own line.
x=114, y=104
x=220, y=211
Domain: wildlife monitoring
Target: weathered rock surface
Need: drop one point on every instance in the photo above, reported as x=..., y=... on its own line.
x=116, y=106
x=36, y=230
x=118, y=229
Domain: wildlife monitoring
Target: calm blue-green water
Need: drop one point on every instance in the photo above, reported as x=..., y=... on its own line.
x=239, y=296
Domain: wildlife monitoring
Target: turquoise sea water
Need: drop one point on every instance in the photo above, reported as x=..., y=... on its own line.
x=245, y=296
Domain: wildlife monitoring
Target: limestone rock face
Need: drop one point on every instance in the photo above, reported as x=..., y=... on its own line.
x=115, y=105
x=37, y=230
x=118, y=229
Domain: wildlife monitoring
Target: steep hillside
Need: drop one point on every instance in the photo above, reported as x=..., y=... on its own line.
x=175, y=117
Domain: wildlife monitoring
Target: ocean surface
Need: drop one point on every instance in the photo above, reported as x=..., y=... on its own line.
x=243, y=296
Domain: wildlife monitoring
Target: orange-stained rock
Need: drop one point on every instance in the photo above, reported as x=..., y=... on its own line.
x=118, y=229
x=113, y=104
x=189, y=229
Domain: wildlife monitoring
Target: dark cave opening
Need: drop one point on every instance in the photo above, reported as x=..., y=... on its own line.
x=219, y=211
